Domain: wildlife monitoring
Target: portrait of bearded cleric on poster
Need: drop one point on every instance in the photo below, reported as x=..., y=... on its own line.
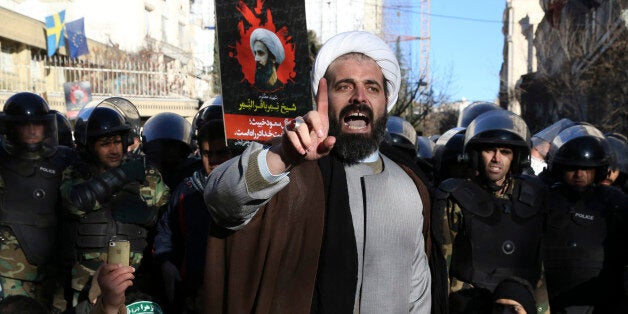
x=269, y=54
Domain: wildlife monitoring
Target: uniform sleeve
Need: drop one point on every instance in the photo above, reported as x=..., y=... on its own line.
x=446, y=219
x=155, y=194
x=236, y=189
x=154, y=191
x=70, y=178
x=452, y=223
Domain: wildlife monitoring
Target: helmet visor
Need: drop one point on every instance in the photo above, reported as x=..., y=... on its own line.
x=30, y=138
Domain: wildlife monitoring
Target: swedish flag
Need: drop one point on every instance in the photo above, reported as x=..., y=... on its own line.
x=55, y=25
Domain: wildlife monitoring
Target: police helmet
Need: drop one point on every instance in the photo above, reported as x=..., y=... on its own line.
x=619, y=147
x=23, y=109
x=400, y=133
x=498, y=128
x=581, y=145
x=168, y=126
x=64, y=129
x=448, y=151
x=217, y=100
x=129, y=112
x=99, y=121
x=425, y=147
x=205, y=114
x=123, y=107
x=547, y=135
x=473, y=110
x=105, y=121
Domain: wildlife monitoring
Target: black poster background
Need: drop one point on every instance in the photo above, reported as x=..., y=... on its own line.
x=250, y=113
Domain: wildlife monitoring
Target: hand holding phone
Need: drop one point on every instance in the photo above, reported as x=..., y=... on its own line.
x=119, y=251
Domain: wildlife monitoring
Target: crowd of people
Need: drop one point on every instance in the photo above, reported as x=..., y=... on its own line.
x=349, y=211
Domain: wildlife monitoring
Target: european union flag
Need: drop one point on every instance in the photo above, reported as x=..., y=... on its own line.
x=76, y=38
x=54, y=31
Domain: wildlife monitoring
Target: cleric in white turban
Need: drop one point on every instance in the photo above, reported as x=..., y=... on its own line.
x=271, y=41
x=328, y=218
x=362, y=42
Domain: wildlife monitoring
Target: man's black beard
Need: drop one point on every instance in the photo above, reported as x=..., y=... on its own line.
x=352, y=148
x=263, y=74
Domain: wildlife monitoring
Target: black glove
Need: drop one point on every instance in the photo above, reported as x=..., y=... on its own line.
x=98, y=188
x=82, y=196
x=134, y=170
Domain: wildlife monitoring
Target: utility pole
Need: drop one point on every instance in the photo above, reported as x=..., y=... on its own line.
x=424, y=43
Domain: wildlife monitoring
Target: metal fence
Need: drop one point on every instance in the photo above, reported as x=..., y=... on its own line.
x=139, y=78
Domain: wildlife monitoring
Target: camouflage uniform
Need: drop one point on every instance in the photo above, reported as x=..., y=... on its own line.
x=20, y=273
x=17, y=275
x=152, y=193
x=449, y=222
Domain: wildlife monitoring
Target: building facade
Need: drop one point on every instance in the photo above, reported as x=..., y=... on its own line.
x=521, y=19
x=580, y=48
x=328, y=18
x=140, y=50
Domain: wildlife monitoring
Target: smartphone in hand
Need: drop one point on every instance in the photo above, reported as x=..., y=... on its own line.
x=119, y=251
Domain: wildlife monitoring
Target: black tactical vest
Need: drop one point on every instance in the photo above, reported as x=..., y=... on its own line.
x=583, y=239
x=97, y=228
x=29, y=201
x=498, y=238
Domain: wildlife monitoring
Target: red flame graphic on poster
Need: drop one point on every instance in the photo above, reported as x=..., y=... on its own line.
x=285, y=71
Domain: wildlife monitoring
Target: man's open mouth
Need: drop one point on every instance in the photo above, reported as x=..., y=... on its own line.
x=356, y=120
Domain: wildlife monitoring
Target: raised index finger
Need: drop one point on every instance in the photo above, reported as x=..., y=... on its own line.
x=322, y=107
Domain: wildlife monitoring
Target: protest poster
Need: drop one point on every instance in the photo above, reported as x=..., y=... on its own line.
x=265, y=67
x=77, y=95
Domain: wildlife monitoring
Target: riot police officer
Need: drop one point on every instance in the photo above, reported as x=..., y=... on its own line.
x=64, y=130
x=618, y=167
x=541, y=142
x=585, y=254
x=31, y=165
x=182, y=231
x=167, y=144
x=425, y=155
x=206, y=113
x=401, y=135
x=489, y=227
x=107, y=196
x=403, y=139
x=448, y=158
x=473, y=110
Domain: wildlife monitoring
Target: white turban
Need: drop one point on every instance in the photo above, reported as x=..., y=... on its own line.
x=362, y=42
x=271, y=41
